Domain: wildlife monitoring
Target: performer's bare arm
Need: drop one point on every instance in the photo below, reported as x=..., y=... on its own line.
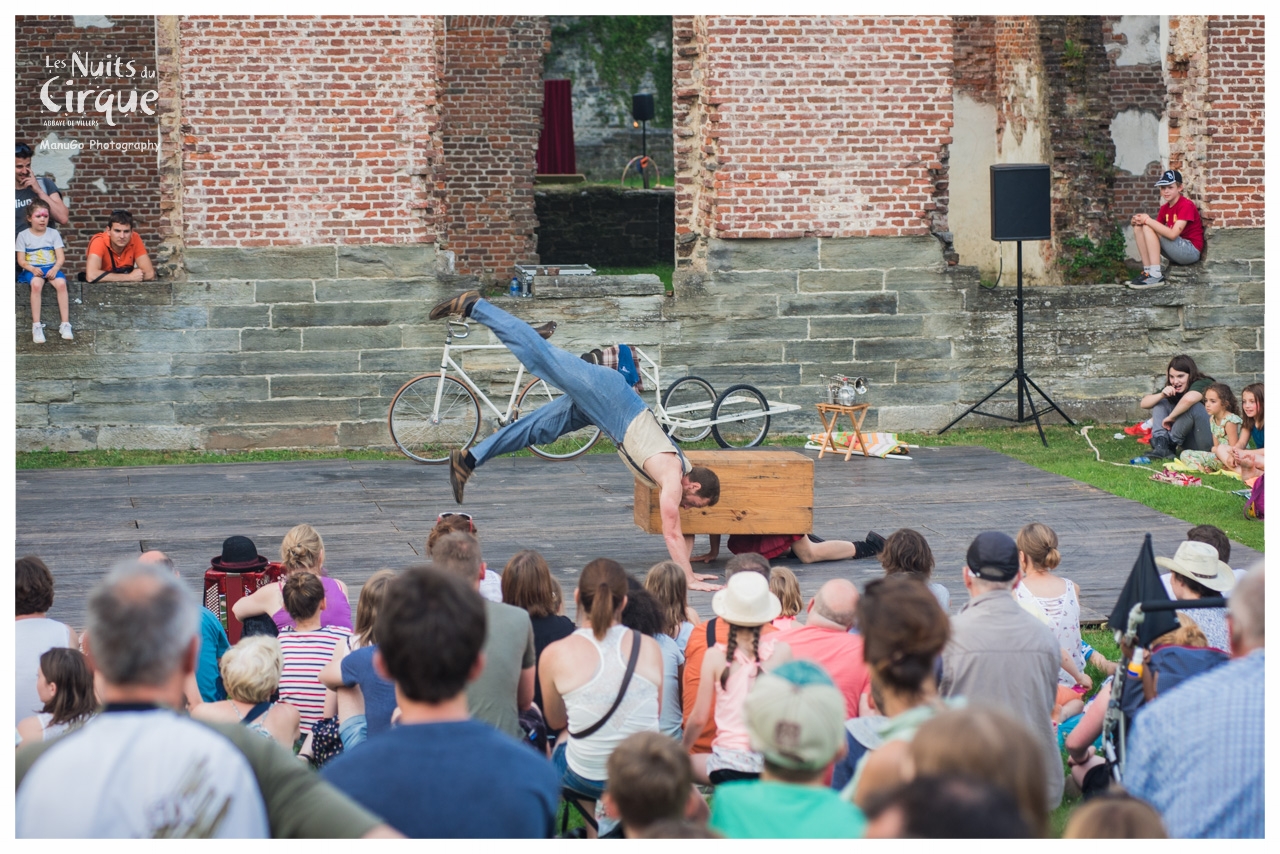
x=666, y=471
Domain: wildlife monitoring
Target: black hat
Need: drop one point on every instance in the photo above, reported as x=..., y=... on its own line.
x=239, y=554
x=1169, y=178
x=993, y=556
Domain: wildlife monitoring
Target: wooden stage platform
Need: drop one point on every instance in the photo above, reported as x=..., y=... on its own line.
x=378, y=514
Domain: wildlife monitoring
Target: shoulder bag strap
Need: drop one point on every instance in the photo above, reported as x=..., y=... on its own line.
x=255, y=713
x=622, y=689
x=107, y=271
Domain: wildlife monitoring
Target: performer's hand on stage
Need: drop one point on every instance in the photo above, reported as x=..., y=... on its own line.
x=702, y=585
x=701, y=576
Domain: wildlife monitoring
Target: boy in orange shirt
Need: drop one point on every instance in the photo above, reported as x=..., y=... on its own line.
x=117, y=255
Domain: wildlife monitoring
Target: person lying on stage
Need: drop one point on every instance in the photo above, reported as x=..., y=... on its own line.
x=807, y=548
x=593, y=394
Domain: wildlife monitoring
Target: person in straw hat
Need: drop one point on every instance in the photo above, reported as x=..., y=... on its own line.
x=728, y=672
x=1199, y=574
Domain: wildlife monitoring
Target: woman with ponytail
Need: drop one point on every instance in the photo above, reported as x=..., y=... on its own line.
x=903, y=632
x=728, y=672
x=1056, y=601
x=302, y=550
x=589, y=688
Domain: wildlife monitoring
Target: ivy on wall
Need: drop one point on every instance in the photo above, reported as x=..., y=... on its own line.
x=631, y=53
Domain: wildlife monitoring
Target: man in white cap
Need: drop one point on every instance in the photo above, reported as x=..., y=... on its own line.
x=795, y=715
x=1197, y=573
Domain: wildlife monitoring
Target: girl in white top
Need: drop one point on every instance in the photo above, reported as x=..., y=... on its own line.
x=1058, y=599
x=581, y=676
x=65, y=686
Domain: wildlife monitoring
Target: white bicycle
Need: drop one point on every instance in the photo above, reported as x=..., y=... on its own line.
x=439, y=412
x=436, y=413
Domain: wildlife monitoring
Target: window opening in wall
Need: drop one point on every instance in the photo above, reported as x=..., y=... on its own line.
x=605, y=188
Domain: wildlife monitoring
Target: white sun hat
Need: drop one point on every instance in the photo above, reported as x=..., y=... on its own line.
x=746, y=601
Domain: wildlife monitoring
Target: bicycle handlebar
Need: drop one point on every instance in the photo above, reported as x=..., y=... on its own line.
x=455, y=325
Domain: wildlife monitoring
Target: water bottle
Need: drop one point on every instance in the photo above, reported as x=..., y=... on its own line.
x=526, y=287
x=515, y=286
x=1140, y=461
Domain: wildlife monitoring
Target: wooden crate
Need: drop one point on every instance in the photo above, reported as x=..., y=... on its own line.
x=761, y=492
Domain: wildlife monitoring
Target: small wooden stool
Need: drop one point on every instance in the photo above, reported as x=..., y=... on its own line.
x=856, y=412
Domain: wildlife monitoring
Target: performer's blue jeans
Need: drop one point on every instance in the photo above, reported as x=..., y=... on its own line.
x=593, y=394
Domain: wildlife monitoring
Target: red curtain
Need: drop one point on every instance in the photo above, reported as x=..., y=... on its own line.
x=555, y=146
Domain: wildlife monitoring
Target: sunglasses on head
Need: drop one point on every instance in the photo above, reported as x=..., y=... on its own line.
x=466, y=516
x=22, y=150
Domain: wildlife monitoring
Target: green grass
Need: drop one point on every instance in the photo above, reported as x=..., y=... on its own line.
x=106, y=459
x=1067, y=455
x=1102, y=640
x=662, y=271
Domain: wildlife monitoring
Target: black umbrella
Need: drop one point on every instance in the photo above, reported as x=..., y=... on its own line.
x=1144, y=585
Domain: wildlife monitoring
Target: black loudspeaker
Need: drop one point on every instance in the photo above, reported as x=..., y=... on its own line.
x=1020, y=202
x=642, y=108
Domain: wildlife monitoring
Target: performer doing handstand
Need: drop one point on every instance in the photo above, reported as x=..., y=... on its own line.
x=593, y=394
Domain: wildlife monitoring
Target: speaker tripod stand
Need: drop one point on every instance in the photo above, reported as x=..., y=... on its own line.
x=1026, y=404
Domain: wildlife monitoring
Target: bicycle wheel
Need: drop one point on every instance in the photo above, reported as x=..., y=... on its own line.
x=640, y=173
x=688, y=399
x=568, y=446
x=427, y=434
x=746, y=415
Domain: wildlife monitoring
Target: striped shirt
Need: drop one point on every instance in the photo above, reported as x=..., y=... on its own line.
x=305, y=655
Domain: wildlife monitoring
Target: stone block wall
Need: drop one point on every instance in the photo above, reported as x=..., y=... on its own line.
x=305, y=346
x=930, y=341
x=605, y=226
x=99, y=167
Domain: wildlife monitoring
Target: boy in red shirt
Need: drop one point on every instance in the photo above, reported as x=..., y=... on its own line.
x=1176, y=231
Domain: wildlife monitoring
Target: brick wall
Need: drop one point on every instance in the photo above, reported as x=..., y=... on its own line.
x=975, y=56
x=308, y=130
x=1234, y=184
x=1078, y=104
x=1017, y=61
x=1137, y=86
x=102, y=179
x=826, y=126
x=492, y=114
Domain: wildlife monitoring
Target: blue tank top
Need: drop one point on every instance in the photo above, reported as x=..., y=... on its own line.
x=1256, y=435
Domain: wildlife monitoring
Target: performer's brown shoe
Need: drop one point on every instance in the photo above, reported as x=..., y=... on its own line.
x=461, y=304
x=459, y=473
x=546, y=330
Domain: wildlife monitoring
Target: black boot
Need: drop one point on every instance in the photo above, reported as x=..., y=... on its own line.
x=1161, y=447
x=870, y=547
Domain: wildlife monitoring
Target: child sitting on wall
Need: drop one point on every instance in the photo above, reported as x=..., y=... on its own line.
x=1176, y=231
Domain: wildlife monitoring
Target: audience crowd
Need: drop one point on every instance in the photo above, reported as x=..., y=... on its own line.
x=461, y=702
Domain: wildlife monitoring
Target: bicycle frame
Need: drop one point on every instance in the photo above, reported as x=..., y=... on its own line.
x=446, y=362
x=650, y=371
